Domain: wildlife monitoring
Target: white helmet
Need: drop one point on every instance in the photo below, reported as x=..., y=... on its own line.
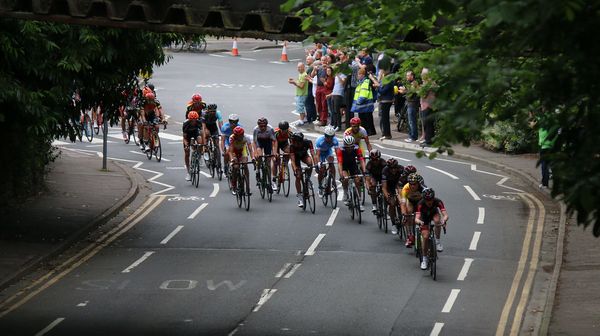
x=234, y=117
x=329, y=131
x=349, y=140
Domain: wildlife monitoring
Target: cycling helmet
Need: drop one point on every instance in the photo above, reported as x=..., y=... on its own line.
x=238, y=130
x=410, y=169
x=375, y=154
x=348, y=140
x=284, y=125
x=151, y=87
x=298, y=136
x=212, y=107
x=414, y=178
x=197, y=98
x=150, y=96
x=428, y=194
x=392, y=163
x=193, y=115
x=262, y=121
x=355, y=121
x=421, y=179
x=234, y=118
x=329, y=131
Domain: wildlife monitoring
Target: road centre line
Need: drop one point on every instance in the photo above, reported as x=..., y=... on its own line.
x=437, y=328
x=215, y=190
x=138, y=262
x=172, y=234
x=197, y=211
x=395, y=157
x=292, y=271
x=84, y=255
x=443, y=172
x=474, y=241
x=312, y=248
x=481, y=216
x=473, y=194
x=283, y=270
x=332, y=216
x=266, y=295
x=50, y=326
x=450, y=302
x=465, y=269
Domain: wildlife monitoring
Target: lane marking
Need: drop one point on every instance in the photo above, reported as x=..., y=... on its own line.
x=276, y=62
x=215, y=190
x=341, y=192
x=144, y=154
x=172, y=234
x=311, y=249
x=197, y=211
x=437, y=327
x=247, y=59
x=292, y=271
x=465, y=269
x=83, y=304
x=443, y=172
x=266, y=295
x=481, y=215
x=474, y=241
x=216, y=55
x=391, y=156
x=50, y=326
x=450, y=302
x=501, y=184
x=473, y=194
x=332, y=216
x=138, y=262
x=519, y=273
x=175, y=168
x=170, y=136
x=205, y=174
x=283, y=270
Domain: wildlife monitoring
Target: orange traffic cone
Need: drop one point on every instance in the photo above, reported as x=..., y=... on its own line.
x=284, y=57
x=234, y=49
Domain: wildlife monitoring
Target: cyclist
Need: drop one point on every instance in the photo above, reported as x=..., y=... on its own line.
x=195, y=104
x=239, y=150
x=191, y=130
x=227, y=131
x=374, y=169
x=212, y=121
x=429, y=209
x=391, y=187
x=359, y=133
x=409, y=198
x=326, y=147
x=151, y=114
x=301, y=150
x=129, y=109
x=347, y=165
x=264, y=143
x=407, y=171
x=283, y=135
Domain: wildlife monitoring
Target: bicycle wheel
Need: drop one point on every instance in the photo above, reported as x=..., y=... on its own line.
x=261, y=180
x=418, y=244
x=87, y=127
x=311, y=197
x=356, y=202
x=246, y=192
x=351, y=202
x=326, y=191
x=196, y=171
x=239, y=193
x=380, y=217
x=333, y=195
x=193, y=169
x=384, y=217
x=157, y=148
x=432, y=256
x=269, y=187
x=202, y=45
x=362, y=190
x=150, y=148
x=286, y=180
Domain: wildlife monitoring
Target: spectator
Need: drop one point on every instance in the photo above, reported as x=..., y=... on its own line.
x=301, y=92
x=412, y=105
x=385, y=94
x=427, y=99
x=351, y=89
x=546, y=139
x=321, y=75
x=311, y=108
x=328, y=84
x=399, y=98
x=337, y=99
x=363, y=102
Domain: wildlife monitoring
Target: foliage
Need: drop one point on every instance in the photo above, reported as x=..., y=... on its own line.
x=508, y=137
x=494, y=61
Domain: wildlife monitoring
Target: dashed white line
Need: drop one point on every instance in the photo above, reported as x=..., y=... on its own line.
x=437, y=327
x=215, y=55
x=473, y=194
x=138, y=262
x=313, y=247
x=247, y=59
x=292, y=271
x=474, y=241
x=443, y=172
x=50, y=326
x=172, y=234
x=205, y=174
x=197, y=211
x=83, y=304
x=450, y=302
x=276, y=62
x=465, y=269
x=283, y=270
x=266, y=295
x=481, y=216
x=332, y=216
x=215, y=190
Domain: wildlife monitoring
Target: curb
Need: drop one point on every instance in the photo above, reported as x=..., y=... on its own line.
x=101, y=219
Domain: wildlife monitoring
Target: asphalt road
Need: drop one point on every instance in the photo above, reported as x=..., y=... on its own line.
x=276, y=269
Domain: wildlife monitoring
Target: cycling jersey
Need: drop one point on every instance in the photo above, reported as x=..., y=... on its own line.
x=190, y=131
x=301, y=150
x=283, y=138
x=375, y=168
x=192, y=106
x=347, y=159
x=427, y=212
x=149, y=108
x=360, y=134
x=264, y=138
x=413, y=196
x=211, y=119
x=227, y=131
x=326, y=148
x=391, y=177
x=239, y=145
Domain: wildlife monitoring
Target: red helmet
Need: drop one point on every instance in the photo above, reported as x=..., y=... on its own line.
x=197, y=98
x=239, y=131
x=355, y=121
x=150, y=96
x=193, y=115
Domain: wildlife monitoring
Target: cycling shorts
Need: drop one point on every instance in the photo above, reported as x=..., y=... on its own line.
x=266, y=145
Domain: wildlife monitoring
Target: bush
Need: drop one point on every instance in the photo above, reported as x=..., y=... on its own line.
x=509, y=137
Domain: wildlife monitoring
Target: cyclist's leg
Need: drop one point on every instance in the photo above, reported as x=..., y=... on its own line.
x=437, y=219
x=344, y=177
x=186, y=153
x=296, y=166
x=371, y=183
x=424, y=238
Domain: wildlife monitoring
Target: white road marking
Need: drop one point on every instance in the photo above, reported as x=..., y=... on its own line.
x=481, y=216
x=276, y=62
x=395, y=157
x=216, y=55
x=313, y=247
x=197, y=211
x=50, y=326
x=175, y=168
x=294, y=60
x=205, y=174
x=144, y=154
x=473, y=194
x=283, y=270
x=474, y=241
x=171, y=235
x=83, y=304
x=443, y=172
x=465, y=269
x=340, y=192
x=332, y=216
x=138, y=262
x=91, y=146
x=247, y=59
x=450, y=302
x=169, y=136
x=215, y=190
x=437, y=327
x=266, y=295
x=292, y=271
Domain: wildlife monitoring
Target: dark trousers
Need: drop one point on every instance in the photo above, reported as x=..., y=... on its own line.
x=322, y=104
x=384, y=118
x=366, y=121
x=336, y=110
x=428, y=125
x=311, y=109
x=545, y=167
x=413, y=130
x=349, y=101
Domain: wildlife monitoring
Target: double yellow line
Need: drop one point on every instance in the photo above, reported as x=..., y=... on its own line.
x=522, y=268
x=82, y=256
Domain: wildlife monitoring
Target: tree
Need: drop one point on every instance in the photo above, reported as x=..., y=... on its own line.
x=494, y=62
